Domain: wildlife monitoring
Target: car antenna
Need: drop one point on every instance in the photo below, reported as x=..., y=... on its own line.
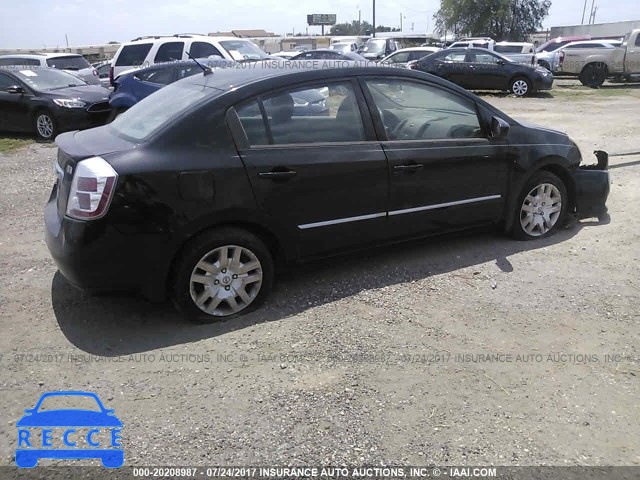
x=206, y=70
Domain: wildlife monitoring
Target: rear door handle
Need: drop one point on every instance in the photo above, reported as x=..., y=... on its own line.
x=277, y=174
x=412, y=167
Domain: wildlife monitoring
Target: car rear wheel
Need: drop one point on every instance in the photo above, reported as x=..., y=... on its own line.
x=593, y=76
x=541, y=207
x=222, y=273
x=520, y=86
x=45, y=125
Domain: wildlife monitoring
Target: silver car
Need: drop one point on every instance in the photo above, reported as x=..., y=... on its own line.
x=72, y=63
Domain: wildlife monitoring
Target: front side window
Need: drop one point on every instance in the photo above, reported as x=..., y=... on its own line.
x=416, y=111
x=170, y=51
x=6, y=81
x=481, y=57
x=203, y=50
x=318, y=114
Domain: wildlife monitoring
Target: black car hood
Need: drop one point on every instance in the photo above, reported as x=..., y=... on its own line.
x=86, y=93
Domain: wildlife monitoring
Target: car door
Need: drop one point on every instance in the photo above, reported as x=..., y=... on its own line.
x=486, y=71
x=14, y=107
x=323, y=179
x=452, y=66
x=444, y=171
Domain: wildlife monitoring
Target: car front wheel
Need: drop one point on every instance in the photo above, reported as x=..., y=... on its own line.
x=541, y=207
x=45, y=125
x=222, y=273
x=520, y=86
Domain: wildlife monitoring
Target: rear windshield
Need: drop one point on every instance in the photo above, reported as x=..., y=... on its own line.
x=155, y=111
x=73, y=62
x=133, y=55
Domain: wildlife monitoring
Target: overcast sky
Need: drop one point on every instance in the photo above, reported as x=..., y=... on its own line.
x=36, y=23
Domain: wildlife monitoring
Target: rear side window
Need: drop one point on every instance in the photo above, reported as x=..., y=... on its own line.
x=169, y=52
x=203, y=50
x=318, y=114
x=75, y=62
x=133, y=55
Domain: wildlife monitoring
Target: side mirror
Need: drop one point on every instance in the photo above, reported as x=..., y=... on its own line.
x=499, y=128
x=501, y=62
x=15, y=89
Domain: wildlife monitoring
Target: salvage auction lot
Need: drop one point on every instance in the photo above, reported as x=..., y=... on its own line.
x=464, y=350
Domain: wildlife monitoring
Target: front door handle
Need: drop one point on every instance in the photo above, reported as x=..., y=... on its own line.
x=277, y=174
x=412, y=167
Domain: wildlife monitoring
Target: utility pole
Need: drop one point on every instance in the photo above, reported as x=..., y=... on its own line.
x=401, y=21
x=584, y=9
x=595, y=9
x=591, y=14
x=374, y=19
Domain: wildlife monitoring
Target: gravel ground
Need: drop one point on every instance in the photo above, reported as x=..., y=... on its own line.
x=379, y=358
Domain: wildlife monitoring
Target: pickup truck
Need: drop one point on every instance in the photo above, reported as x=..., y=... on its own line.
x=594, y=65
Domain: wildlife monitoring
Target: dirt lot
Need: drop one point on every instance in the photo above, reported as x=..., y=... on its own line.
x=373, y=359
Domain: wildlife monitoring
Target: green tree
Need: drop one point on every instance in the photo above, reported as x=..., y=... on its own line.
x=500, y=19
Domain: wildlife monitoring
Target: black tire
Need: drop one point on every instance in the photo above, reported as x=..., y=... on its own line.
x=195, y=251
x=593, y=75
x=521, y=217
x=45, y=125
x=520, y=86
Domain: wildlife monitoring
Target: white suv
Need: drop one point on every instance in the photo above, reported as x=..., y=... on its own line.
x=72, y=63
x=146, y=51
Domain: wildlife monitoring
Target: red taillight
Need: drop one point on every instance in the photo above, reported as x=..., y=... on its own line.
x=111, y=75
x=91, y=189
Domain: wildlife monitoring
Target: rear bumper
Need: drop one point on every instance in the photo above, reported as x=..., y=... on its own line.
x=592, y=187
x=96, y=257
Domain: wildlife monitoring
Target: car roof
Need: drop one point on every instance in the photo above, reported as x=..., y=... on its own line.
x=514, y=43
x=173, y=38
x=583, y=42
x=41, y=55
x=415, y=49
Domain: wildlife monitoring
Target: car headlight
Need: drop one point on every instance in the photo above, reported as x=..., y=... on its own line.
x=69, y=103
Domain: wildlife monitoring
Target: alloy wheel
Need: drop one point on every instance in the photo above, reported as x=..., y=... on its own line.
x=226, y=280
x=44, y=124
x=541, y=209
x=520, y=87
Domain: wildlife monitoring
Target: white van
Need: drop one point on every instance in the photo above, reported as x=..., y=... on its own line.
x=146, y=51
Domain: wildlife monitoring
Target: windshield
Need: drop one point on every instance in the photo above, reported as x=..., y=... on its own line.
x=74, y=62
x=157, y=110
x=243, y=50
x=48, y=79
x=374, y=46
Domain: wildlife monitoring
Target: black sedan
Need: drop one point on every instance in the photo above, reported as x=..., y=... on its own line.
x=481, y=69
x=329, y=54
x=201, y=188
x=48, y=101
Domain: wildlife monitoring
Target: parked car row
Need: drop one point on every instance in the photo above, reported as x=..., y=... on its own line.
x=69, y=62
